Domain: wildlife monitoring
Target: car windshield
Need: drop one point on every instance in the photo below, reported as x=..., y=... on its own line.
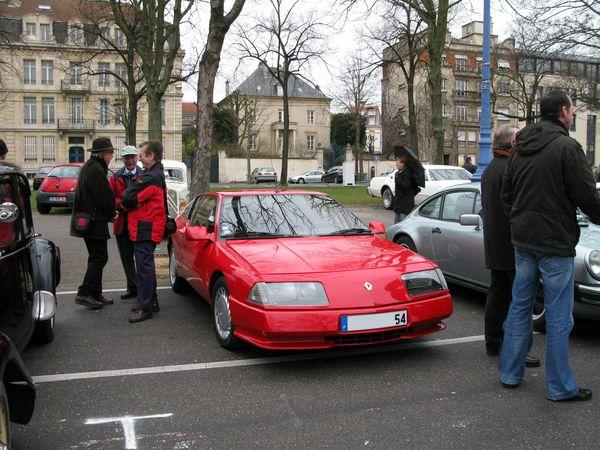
x=65, y=172
x=172, y=174
x=582, y=219
x=43, y=171
x=448, y=174
x=286, y=215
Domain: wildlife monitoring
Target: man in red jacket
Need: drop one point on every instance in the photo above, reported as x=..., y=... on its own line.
x=145, y=202
x=119, y=183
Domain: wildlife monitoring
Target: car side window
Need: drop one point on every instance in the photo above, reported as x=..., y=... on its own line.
x=431, y=209
x=458, y=203
x=477, y=205
x=205, y=210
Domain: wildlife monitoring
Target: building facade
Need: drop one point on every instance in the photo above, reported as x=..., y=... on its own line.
x=52, y=107
x=372, y=115
x=461, y=91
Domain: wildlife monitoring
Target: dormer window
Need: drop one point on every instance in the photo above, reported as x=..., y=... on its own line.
x=278, y=90
x=259, y=88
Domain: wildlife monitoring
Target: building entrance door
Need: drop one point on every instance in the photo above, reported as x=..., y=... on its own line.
x=75, y=154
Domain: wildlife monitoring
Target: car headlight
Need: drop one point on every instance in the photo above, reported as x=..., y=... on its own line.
x=592, y=262
x=424, y=282
x=288, y=294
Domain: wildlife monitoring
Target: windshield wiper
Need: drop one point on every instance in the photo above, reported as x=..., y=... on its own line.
x=349, y=231
x=258, y=235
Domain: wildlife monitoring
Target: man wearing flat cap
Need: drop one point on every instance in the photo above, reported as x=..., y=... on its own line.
x=93, y=208
x=122, y=180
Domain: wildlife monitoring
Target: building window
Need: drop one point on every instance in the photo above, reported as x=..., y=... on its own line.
x=310, y=143
x=472, y=136
x=591, y=139
x=47, y=110
x=48, y=150
x=478, y=114
x=29, y=110
x=502, y=113
x=45, y=32
x=503, y=64
x=503, y=89
x=121, y=72
x=47, y=72
x=278, y=90
x=119, y=144
x=461, y=63
x=105, y=34
x=76, y=74
x=103, y=116
x=30, y=30
x=252, y=141
x=462, y=86
x=103, y=75
x=280, y=115
x=444, y=84
x=30, y=148
x=444, y=110
x=29, y=71
x=163, y=108
x=479, y=64
x=119, y=116
x=76, y=110
x=461, y=137
x=460, y=113
x=119, y=37
x=310, y=117
x=76, y=34
x=573, y=126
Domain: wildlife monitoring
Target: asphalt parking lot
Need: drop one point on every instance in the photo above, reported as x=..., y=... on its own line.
x=166, y=383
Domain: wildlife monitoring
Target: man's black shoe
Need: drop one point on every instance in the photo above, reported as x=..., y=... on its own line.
x=155, y=306
x=510, y=386
x=128, y=294
x=90, y=302
x=104, y=300
x=532, y=362
x=582, y=396
x=139, y=315
x=492, y=351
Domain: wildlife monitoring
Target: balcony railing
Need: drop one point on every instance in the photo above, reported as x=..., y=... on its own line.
x=462, y=93
x=467, y=119
x=80, y=86
x=465, y=69
x=76, y=125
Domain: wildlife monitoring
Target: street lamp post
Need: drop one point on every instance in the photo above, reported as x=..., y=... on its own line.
x=484, y=155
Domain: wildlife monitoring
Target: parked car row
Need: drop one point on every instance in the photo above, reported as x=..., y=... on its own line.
x=29, y=276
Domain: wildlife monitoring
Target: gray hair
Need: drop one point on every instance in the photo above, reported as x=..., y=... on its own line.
x=502, y=137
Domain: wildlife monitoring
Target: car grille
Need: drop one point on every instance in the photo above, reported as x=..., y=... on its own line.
x=369, y=338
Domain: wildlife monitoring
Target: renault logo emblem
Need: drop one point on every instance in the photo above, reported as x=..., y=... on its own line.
x=368, y=286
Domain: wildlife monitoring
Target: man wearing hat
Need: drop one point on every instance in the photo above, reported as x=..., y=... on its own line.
x=119, y=183
x=93, y=208
x=3, y=150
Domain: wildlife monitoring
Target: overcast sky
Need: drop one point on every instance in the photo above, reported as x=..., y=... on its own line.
x=344, y=40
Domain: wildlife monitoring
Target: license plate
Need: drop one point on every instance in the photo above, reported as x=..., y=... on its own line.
x=58, y=199
x=374, y=321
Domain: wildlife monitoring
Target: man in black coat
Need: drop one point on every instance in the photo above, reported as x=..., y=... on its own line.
x=499, y=251
x=95, y=198
x=405, y=186
x=468, y=165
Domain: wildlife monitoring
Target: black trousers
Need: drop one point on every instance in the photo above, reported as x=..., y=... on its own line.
x=97, y=259
x=146, y=274
x=126, y=252
x=499, y=296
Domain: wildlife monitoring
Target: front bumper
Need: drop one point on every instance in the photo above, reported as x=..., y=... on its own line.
x=44, y=198
x=587, y=301
x=279, y=329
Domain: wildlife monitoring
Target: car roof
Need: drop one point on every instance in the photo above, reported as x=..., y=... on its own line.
x=7, y=167
x=263, y=192
x=441, y=166
x=469, y=185
x=172, y=163
x=68, y=164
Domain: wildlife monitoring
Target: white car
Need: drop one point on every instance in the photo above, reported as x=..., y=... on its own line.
x=436, y=178
x=312, y=176
x=177, y=185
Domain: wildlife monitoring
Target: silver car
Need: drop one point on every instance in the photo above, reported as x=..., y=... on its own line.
x=447, y=229
x=312, y=176
x=261, y=174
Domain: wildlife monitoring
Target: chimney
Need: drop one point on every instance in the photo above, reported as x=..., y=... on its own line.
x=227, y=88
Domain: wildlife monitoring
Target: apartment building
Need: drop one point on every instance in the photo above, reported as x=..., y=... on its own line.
x=51, y=104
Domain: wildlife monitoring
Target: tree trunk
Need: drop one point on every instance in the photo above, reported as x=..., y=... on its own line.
x=286, y=131
x=154, y=115
x=131, y=127
x=412, y=114
x=434, y=82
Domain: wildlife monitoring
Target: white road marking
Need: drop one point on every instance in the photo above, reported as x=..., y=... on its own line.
x=128, y=423
x=251, y=361
x=107, y=290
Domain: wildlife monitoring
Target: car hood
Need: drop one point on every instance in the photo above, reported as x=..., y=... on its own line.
x=590, y=238
x=321, y=255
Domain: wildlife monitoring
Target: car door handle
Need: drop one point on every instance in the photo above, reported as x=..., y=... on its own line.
x=436, y=230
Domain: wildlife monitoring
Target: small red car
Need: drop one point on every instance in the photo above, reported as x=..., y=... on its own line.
x=58, y=188
x=296, y=270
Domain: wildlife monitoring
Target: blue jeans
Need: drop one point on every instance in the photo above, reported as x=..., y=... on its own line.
x=557, y=279
x=146, y=273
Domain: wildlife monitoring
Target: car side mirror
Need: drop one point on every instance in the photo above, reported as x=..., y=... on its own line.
x=471, y=220
x=9, y=212
x=377, y=227
x=197, y=234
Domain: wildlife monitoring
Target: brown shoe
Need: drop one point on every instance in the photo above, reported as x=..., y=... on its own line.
x=90, y=302
x=139, y=315
x=104, y=300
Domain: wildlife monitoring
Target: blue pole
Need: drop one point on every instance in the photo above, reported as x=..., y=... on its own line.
x=485, y=128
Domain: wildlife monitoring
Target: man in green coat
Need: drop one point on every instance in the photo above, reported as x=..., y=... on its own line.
x=94, y=199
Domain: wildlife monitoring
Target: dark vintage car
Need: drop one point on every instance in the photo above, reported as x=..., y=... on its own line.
x=39, y=176
x=335, y=174
x=29, y=276
x=58, y=188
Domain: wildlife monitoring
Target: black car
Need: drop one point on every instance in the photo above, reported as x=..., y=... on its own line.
x=40, y=175
x=335, y=174
x=29, y=276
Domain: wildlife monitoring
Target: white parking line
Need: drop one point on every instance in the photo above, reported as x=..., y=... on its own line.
x=249, y=362
x=107, y=290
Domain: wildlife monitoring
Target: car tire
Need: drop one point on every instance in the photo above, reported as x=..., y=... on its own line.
x=301, y=181
x=43, y=333
x=406, y=242
x=387, y=197
x=4, y=418
x=539, y=312
x=43, y=209
x=178, y=284
x=224, y=328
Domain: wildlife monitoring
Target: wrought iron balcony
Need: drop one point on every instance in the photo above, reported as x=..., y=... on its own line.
x=86, y=125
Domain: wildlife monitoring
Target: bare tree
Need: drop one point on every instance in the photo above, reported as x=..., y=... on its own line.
x=219, y=25
x=355, y=90
x=290, y=41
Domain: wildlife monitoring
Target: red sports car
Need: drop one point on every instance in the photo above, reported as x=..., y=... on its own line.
x=296, y=270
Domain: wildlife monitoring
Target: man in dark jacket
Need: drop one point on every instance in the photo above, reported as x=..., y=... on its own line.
x=546, y=179
x=499, y=252
x=95, y=198
x=405, y=186
x=468, y=165
x=119, y=183
x=145, y=202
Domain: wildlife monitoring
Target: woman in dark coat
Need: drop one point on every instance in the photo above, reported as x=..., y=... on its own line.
x=406, y=188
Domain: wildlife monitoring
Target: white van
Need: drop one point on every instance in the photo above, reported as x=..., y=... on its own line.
x=177, y=185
